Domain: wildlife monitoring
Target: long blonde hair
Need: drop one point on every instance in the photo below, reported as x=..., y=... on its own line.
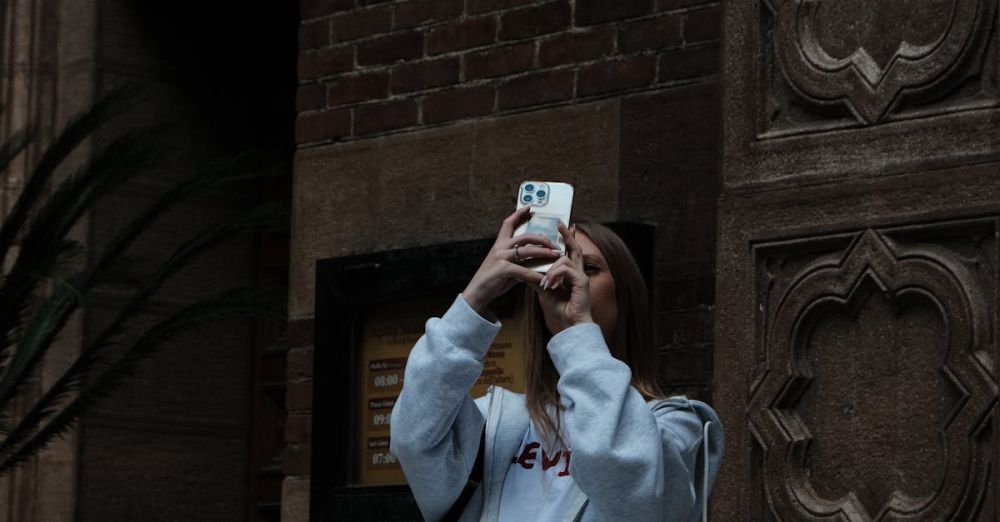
x=629, y=345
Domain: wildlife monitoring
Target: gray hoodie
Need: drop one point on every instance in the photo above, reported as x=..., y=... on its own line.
x=632, y=460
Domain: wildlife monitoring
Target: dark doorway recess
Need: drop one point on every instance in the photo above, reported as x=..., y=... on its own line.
x=233, y=63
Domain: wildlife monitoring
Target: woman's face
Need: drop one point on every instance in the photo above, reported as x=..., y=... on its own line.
x=603, y=304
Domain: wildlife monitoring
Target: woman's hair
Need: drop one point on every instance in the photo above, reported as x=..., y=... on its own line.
x=629, y=345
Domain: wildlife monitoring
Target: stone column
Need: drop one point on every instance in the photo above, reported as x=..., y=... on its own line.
x=857, y=284
x=46, y=76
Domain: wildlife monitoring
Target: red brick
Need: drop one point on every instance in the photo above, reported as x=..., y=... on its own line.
x=616, y=75
x=487, y=6
x=298, y=428
x=310, y=97
x=654, y=33
x=300, y=362
x=381, y=117
x=424, y=75
x=462, y=35
x=322, y=126
x=360, y=23
x=325, y=62
x=689, y=63
x=534, y=89
x=533, y=21
x=391, y=48
x=498, y=62
x=460, y=103
x=299, y=396
x=314, y=8
x=702, y=25
x=416, y=12
x=358, y=88
x=297, y=459
x=314, y=35
x=577, y=46
x=589, y=12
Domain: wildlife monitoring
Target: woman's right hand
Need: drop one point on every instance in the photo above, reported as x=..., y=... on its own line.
x=500, y=271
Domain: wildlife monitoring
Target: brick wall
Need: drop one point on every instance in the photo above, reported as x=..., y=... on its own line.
x=368, y=67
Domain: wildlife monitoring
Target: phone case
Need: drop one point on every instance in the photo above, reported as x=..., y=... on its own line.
x=552, y=202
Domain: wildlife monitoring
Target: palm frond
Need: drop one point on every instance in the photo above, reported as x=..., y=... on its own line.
x=56, y=310
x=240, y=303
x=243, y=167
x=40, y=248
x=255, y=219
x=114, y=262
x=13, y=146
x=13, y=295
x=64, y=252
x=39, y=224
x=78, y=129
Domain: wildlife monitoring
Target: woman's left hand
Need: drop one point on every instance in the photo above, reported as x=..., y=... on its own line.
x=564, y=292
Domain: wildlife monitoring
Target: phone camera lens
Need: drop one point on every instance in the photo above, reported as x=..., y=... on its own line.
x=540, y=193
x=526, y=198
x=529, y=187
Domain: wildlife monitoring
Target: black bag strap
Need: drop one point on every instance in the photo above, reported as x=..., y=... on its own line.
x=475, y=478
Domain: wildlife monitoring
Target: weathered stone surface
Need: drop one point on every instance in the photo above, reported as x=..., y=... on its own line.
x=808, y=99
x=857, y=268
x=295, y=499
x=849, y=332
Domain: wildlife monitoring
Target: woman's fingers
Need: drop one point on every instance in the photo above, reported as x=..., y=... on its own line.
x=562, y=261
x=556, y=280
x=523, y=274
x=573, y=250
x=559, y=273
x=523, y=253
x=551, y=276
x=530, y=239
x=512, y=222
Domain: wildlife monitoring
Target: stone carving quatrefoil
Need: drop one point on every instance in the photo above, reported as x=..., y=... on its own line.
x=867, y=54
x=838, y=287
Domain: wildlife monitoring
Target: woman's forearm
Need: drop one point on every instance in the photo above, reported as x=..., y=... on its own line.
x=435, y=425
x=621, y=455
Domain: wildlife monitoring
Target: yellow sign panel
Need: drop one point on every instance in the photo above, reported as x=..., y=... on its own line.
x=389, y=333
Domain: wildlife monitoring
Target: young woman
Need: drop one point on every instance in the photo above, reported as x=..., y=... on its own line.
x=592, y=438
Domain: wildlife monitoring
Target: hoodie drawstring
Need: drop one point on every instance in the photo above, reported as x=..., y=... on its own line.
x=704, y=475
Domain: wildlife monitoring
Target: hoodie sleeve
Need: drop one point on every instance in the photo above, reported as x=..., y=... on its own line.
x=435, y=426
x=632, y=461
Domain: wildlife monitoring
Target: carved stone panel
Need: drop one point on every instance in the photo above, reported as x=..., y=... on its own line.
x=821, y=89
x=871, y=388
x=862, y=62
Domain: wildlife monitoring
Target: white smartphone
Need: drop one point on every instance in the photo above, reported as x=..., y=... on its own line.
x=551, y=204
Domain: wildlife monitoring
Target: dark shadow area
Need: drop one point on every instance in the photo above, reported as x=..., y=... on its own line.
x=227, y=71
